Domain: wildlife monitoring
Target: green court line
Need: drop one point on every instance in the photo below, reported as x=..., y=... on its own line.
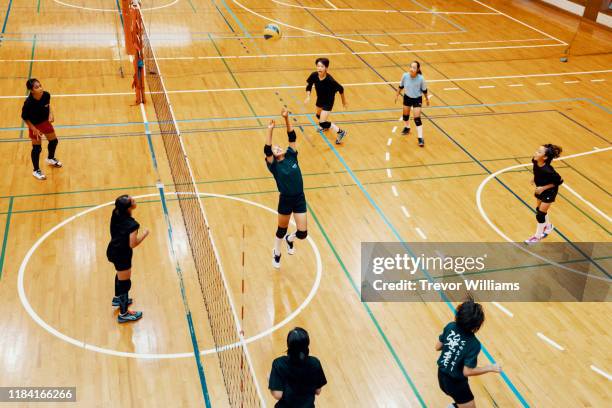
x=192, y=7
x=583, y=212
x=588, y=178
x=6, y=232
x=229, y=70
x=38, y=9
x=367, y=307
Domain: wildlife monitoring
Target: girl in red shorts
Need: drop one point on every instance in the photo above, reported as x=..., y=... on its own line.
x=38, y=116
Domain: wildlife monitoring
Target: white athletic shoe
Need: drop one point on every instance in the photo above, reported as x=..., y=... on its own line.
x=290, y=245
x=548, y=228
x=275, y=259
x=54, y=162
x=340, y=136
x=532, y=240
x=39, y=175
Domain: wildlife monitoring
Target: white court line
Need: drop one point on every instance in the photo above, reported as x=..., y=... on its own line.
x=431, y=43
x=110, y=10
x=486, y=86
x=262, y=88
x=421, y=233
x=451, y=89
x=597, y=80
x=602, y=372
x=515, y=85
x=570, y=82
x=543, y=83
x=394, y=129
x=331, y=4
x=389, y=173
x=520, y=22
x=405, y=211
x=499, y=41
x=597, y=210
x=389, y=142
x=387, y=156
x=385, y=10
x=549, y=341
x=503, y=309
x=395, y=193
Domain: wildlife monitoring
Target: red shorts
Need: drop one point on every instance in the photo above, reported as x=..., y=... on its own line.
x=45, y=127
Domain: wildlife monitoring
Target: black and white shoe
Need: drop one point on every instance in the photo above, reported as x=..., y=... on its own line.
x=421, y=142
x=405, y=131
x=39, y=174
x=290, y=246
x=54, y=162
x=340, y=136
x=275, y=259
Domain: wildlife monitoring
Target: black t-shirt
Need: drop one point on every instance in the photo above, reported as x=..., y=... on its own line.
x=545, y=175
x=120, y=228
x=297, y=380
x=326, y=88
x=287, y=174
x=459, y=349
x=36, y=111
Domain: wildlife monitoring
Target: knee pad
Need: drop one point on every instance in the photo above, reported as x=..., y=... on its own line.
x=281, y=232
x=318, y=116
x=417, y=121
x=405, y=117
x=53, y=142
x=540, y=216
x=325, y=125
x=301, y=234
x=36, y=148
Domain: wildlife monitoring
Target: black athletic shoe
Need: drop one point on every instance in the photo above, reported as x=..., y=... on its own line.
x=290, y=248
x=406, y=131
x=421, y=142
x=275, y=259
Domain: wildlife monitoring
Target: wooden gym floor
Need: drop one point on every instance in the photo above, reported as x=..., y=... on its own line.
x=499, y=91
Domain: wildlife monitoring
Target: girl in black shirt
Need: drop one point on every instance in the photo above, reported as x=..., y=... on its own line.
x=547, y=182
x=326, y=87
x=38, y=116
x=284, y=166
x=124, y=237
x=296, y=378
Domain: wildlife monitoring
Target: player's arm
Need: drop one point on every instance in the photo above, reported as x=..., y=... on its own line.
x=136, y=240
x=309, y=84
x=424, y=90
x=51, y=116
x=438, y=346
x=277, y=394
x=268, y=145
x=471, y=372
x=290, y=132
x=399, y=88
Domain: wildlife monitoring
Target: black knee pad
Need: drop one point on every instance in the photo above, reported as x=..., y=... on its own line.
x=325, y=125
x=281, y=232
x=36, y=148
x=53, y=142
x=301, y=234
x=318, y=116
x=405, y=117
x=417, y=121
x=540, y=216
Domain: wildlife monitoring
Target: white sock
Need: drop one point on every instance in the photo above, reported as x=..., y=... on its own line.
x=540, y=230
x=335, y=128
x=291, y=237
x=277, y=245
x=407, y=123
x=420, y=131
x=547, y=219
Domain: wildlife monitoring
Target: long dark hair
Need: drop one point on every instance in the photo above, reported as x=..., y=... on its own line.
x=122, y=205
x=30, y=83
x=297, y=345
x=469, y=316
x=552, y=152
x=418, y=66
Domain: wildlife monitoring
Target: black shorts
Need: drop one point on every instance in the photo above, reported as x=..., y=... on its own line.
x=413, y=102
x=548, y=196
x=458, y=389
x=325, y=105
x=291, y=204
x=122, y=260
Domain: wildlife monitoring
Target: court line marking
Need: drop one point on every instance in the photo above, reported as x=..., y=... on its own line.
x=486, y=86
x=602, y=372
x=394, y=189
x=262, y=88
x=451, y=89
x=593, y=207
x=389, y=11
x=394, y=129
x=405, y=211
x=543, y=83
x=330, y=3
x=503, y=309
x=388, y=175
x=549, y=341
x=515, y=85
x=498, y=41
x=387, y=156
x=521, y=245
x=520, y=22
x=597, y=80
x=112, y=10
x=389, y=141
x=421, y=233
x=26, y=304
x=570, y=82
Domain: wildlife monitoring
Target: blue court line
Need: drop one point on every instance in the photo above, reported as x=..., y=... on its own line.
x=6, y=232
x=506, y=379
x=471, y=156
x=179, y=272
x=237, y=20
x=119, y=10
x=356, y=112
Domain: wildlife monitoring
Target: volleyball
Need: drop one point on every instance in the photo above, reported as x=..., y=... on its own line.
x=272, y=32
